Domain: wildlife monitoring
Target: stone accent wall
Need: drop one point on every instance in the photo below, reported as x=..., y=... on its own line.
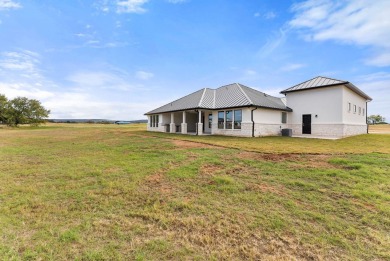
x=331, y=130
x=262, y=129
x=245, y=131
x=350, y=130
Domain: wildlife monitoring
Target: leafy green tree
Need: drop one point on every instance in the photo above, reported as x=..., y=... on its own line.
x=22, y=110
x=375, y=119
x=3, y=107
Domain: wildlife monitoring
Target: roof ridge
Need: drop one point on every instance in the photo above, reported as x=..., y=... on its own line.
x=201, y=98
x=246, y=96
x=214, y=98
x=331, y=78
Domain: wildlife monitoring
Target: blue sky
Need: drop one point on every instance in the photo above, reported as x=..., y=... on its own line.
x=117, y=59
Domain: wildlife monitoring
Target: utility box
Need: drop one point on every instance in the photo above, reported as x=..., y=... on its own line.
x=287, y=132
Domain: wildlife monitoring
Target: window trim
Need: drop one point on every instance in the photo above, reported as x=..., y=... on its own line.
x=284, y=117
x=223, y=122
x=231, y=119
x=234, y=120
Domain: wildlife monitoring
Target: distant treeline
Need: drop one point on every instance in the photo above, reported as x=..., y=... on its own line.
x=95, y=121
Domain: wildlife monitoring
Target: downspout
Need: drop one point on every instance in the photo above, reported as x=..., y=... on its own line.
x=253, y=122
x=366, y=117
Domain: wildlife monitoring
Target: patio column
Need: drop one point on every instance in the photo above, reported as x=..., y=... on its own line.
x=184, y=124
x=200, y=124
x=172, y=125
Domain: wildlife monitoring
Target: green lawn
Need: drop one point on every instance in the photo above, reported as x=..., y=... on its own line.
x=105, y=192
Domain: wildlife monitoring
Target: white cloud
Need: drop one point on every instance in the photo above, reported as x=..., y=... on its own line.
x=269, y=15
x=273, y=43
x=9, y=4
x=142, y=75
x=103, y=94
x=131, y=6
x=94, y=80
x=376, y=85
x=121, y=6
x=176, y=1
x=292, y=67
x=363, y=22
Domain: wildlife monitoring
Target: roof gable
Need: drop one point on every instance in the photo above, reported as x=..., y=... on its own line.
x=321, y=82
x=316, y=82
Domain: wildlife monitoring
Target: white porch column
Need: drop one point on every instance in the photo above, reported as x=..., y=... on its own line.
x=200, y=124
x=172, y=125
x=184, y=124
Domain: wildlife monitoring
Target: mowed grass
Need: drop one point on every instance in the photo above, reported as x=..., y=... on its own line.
x=105, y=192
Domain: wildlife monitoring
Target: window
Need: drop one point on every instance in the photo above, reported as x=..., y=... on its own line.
x=229, y=119
x=237, y=119
x=157, y=120
x=284, y=117
x=151, y=121
x=210, y=120
x=360, y=110
x=354, y=108
x=221, y=120
x=349, y=106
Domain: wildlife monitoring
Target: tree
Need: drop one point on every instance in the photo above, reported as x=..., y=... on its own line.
x=375, y=119
x=22, y=110
x=3, y=106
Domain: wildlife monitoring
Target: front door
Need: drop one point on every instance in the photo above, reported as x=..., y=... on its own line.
x=306, y=124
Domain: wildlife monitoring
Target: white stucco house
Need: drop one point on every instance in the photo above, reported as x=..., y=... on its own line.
x=320, y=107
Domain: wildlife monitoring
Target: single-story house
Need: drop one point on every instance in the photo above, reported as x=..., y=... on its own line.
x=320, y=107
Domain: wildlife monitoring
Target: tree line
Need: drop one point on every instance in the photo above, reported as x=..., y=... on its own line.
x=21, y=110
x=376, y=119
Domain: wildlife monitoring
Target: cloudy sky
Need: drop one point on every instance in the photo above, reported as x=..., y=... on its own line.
x=117, y=59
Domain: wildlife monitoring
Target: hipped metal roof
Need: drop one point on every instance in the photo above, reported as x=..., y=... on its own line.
x=228, y=96
x=321, y=82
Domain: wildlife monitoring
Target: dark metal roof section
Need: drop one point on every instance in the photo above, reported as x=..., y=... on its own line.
x=228, y=96
x=321, y=82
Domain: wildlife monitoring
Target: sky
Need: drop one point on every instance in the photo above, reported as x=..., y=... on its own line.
x=118, y=59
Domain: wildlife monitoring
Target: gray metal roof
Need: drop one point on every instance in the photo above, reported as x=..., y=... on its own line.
x=321, y=82
x=228, y=96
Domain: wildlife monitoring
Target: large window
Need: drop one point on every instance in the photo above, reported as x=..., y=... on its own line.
x=229, y=119
x=284, y=117
x=221, y=120
x=154, y=119
x=237, y=119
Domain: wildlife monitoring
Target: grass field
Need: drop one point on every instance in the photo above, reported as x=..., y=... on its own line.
x=105, y=192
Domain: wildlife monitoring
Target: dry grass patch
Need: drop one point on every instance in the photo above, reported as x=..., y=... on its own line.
x=117, y=193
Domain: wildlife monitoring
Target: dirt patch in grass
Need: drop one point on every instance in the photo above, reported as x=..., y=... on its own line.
x=183, y=144
x=267, y=188
x=210, y=169
x=157, y=182
x=308, y=160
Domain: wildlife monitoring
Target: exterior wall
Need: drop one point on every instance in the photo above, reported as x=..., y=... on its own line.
x=323, y=104
x=349, y=116
x=268, y=122
x=329, y=109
